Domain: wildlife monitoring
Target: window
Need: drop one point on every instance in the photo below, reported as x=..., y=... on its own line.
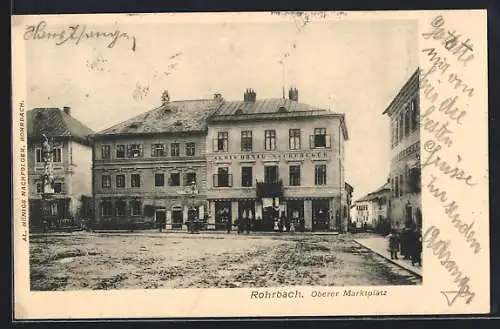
x=159, y=179
x=175, y=179
x=134, y=150
x=221, y=143
x=135, y=208
x=294, y=172
x=246, y=141
x=270, y=140
x=396, y=187
x=105, y=152
x=320, y=139
x=222, y=178
x=401, y=185
x=120, y=181
x=189, y=179
x=407, y=121
x=135, y=180
x=106, y=208
x=414, y=113
x=414, y=180
x=320, y=175
x=120, y=151
x=39, y=187
x=294, y=139
x=58, y=187
x=174, y=149
x=394, y=134
x=106, y=181
x=56, y=154
x=121, y=207
x=38, y=155
x=158, y=150
x=190, y=149
x=246, y=176
x=401, y=127
x=271, y=174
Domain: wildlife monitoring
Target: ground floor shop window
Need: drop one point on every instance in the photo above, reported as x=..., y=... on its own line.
x=320, y=210
x=177, y=218
x=222, y=214
x=135, y=208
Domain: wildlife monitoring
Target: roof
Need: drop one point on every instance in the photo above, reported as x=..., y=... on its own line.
x=175, y=116
x=274, y=108
x=54, y=122
x=375, y=194
x=408, y=89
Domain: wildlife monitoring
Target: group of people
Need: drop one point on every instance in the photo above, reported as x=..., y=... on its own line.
x=281, y=224
x=407, y=243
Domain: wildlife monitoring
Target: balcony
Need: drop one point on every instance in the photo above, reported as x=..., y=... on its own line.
x=269, y=190
x=223, y=180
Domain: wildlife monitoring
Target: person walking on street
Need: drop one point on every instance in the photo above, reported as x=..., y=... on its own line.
x=393, y=244
x=228, y=225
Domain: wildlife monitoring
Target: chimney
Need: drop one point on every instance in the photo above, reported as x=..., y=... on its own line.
x=293, y=94
x=249, y=95
x=218, y=97
x=67, y=110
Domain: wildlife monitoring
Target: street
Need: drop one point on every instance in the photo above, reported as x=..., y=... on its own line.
x=145, y=260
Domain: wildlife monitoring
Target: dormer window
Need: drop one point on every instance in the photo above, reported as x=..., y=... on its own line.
x=282, y=109
x=178, y=123
x=238, y=112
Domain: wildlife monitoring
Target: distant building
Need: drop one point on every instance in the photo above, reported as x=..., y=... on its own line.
x=373, y=209
x=273, y=157
x=71, y=162
x=151, y=169
x=405, y=178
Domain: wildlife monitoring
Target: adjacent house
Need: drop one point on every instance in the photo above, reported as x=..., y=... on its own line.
x=71, y=160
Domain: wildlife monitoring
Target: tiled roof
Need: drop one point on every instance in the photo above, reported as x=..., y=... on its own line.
x=264, y=106
x=375, y=194
x=55, y=122
x=175, y=116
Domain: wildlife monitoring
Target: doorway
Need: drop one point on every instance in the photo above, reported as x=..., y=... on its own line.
x=176, y=218
x=321, y=210
x=160, y=218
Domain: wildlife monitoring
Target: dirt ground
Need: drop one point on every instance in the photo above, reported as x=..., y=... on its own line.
x=147, y=260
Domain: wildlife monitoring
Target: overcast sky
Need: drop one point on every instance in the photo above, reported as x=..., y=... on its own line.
x=354, y=67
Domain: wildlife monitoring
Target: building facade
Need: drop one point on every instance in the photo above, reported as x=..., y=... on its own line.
x=372, y=210
x=150, y=171
x=405, y=177
x=276, y=157
x=71, y=161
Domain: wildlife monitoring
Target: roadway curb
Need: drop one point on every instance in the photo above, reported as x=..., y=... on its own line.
x=388, y=258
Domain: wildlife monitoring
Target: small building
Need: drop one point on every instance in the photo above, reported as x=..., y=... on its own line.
x=272, y=157
x=372, y=210
x=405, y=177
x=150, y=170
x=71, y=164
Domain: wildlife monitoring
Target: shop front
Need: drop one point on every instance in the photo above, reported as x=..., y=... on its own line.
x=223, y=213
x=320, y=215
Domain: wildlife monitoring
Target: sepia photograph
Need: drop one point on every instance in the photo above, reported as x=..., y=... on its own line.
x=244, y=174
x=231, y=153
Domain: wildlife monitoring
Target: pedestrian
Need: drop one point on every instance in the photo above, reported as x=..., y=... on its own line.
x=276, y=225
x=393, y=244
x=292, y=226
x=228, y=225
x=416, y=248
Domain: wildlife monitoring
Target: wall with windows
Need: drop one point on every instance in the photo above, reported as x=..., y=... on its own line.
x=151, y=148
x=405, y=172
x=288, y=145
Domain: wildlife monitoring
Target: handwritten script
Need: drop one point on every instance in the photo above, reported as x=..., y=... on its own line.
x=448, y=53
x=75, y=34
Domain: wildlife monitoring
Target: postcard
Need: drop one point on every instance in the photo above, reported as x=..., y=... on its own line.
x=196, y=165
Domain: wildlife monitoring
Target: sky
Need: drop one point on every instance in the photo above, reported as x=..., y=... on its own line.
x=353, y=67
